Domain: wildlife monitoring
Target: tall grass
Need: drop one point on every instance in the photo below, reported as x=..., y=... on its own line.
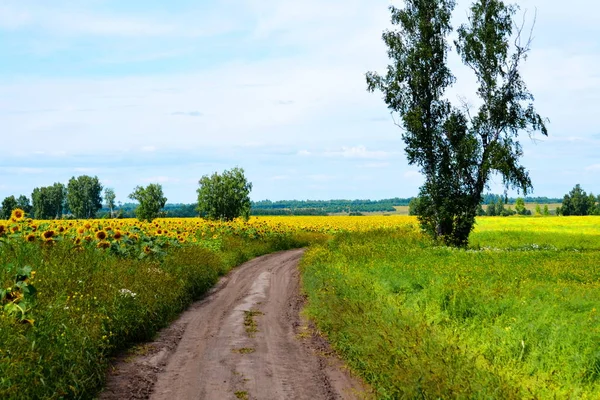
x=515, y=316
x=91, y=304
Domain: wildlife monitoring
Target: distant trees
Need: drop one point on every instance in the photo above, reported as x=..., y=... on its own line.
x=224, y=196
x=8, y=205
x=49, y=201
x=577, y=202
x=24, y=204
x=109, y=197
x=151, y=199
x=84, y=196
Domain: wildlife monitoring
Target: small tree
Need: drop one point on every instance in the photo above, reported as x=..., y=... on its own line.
x=538, y=209
x=413, y=206
x=84, y=196
x=8, y=205
x=49, y=201
x=24, y=204
x=151, y=200
x=109, y=197
x=520, y=206
x=577, y=202
x=224, y=196
x=546, y=211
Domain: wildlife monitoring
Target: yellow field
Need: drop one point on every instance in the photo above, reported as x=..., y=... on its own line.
x=185, y=230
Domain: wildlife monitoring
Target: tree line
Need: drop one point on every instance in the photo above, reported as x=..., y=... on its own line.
x=84, y=197
x=222, y=196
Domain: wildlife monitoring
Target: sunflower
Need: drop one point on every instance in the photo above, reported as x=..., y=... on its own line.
x=103, y=244
x=78, y=241
x=87, y=238
x=2, y=229
x=17, y=215
x=47, y=235
x=80, y=230
x=30, y=237
x=100, y=235
x=147, y=249
x=118, y=235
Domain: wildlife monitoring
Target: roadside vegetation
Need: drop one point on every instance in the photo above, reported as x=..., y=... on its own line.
x=73, y=293
x=513, y=316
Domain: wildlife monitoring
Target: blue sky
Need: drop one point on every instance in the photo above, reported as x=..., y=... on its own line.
x=151, y=91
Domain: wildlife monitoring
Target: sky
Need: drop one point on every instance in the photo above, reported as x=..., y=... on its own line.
x=151, y=91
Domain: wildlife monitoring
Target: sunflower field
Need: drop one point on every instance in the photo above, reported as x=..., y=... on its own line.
x=515, y=315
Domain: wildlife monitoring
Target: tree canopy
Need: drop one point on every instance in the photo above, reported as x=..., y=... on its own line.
x=151, y=199
x=49, y=201
x=8, y=205
x=224, y=196
x=578, y=202
x=456, y=148
x=84, y=196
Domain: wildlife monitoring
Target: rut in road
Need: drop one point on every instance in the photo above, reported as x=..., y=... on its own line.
x=245, y=340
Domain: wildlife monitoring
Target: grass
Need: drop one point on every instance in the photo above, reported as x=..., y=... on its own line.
x=244, y=350
x=515, y=316
x=92, y=304
x=250, y=323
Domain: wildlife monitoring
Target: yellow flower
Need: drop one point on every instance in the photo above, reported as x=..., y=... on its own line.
x=103, y=244
x=100, y=235
x=17, y=215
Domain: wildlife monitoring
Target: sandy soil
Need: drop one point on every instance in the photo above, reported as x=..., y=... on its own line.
x=244, y=340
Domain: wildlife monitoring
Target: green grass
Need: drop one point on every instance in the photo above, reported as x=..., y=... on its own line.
x=516, y=316
x=91, y=304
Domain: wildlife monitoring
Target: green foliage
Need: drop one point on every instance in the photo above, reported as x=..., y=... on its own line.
x=577, y=202
x=17, y=299
x=457, y=151
x=224, y=196
x=520, y=206
x=151, y=201
x=109, y=197
x=8, y=205
x=49, y=201
x=24, y=204
x=413, y=206
x=546, y=212
x=84, y=196
x=92, y=303
x=515, y=317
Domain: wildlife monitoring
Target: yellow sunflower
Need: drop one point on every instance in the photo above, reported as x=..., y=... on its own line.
x=17, y=215
x=103, y=244
x=100, y=235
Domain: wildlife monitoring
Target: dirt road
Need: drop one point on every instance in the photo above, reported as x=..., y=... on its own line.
x=245, y=340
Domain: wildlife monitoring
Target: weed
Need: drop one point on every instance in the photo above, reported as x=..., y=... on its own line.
x=250, y=323
x=244, y=350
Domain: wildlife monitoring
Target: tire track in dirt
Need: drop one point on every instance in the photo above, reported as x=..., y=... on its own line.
x=244, y=340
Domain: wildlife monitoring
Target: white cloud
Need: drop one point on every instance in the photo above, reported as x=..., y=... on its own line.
x=594, y=167
x=359, y=152
x=321, y=178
